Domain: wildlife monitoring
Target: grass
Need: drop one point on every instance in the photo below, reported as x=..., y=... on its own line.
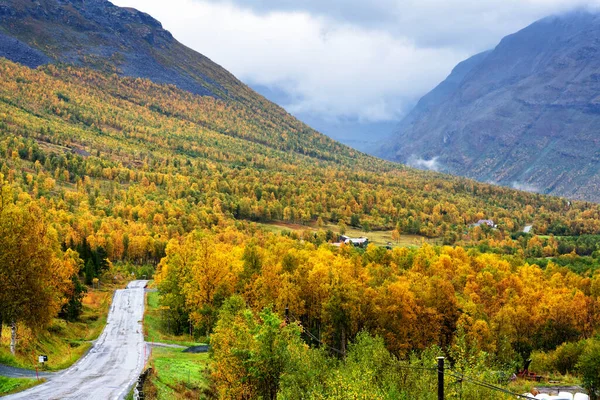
x=63, y=342
x=13, y=385
x=154, y=329
x=558, y=381
x=379, y=238
x=176, y=375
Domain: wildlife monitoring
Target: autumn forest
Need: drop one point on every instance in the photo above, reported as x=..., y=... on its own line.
x=103, y=176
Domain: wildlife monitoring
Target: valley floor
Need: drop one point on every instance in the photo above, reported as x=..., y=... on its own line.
x=379, y=238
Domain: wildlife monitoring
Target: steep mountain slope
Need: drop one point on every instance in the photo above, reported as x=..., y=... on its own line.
x=109, y=149
x=100, y=35
x=74, y=135
x=526, y=114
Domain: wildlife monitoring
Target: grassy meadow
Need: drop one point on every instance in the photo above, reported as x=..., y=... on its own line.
x=176, y=375
x=379, y=238
x=12, y=385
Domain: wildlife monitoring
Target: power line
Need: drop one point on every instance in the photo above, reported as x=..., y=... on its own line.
x=309, y=333
x=487, y=385
x=460, y=378
x=417, y=368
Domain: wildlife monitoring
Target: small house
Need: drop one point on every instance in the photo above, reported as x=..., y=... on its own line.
x=487, y=222
x=356, y=242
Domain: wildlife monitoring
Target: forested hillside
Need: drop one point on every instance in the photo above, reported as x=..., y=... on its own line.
x=111, y=175
x=168, y=162
x=128, y=171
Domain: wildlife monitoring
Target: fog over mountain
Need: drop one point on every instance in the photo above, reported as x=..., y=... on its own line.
x=351, y=69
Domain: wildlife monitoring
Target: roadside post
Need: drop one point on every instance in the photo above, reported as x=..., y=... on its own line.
x=440, y=371
x=36, y=365
x=41, y=359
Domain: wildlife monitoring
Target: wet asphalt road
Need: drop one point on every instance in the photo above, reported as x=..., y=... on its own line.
x=12, y=372
x=111, y=367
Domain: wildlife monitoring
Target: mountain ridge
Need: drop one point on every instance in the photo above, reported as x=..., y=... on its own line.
x=100, y=35
x=524, y=116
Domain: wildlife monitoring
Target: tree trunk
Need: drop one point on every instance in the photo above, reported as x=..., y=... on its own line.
x=343, y=342
x=13, y=337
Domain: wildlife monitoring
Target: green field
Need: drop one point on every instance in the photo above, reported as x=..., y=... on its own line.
x=379, y=238
x=176, y=375
x=154, y=329
x=12, y=385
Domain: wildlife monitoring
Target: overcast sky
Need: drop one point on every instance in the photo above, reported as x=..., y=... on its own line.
x=364, y=59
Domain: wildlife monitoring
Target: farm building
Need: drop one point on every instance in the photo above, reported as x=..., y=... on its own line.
x=357, y=242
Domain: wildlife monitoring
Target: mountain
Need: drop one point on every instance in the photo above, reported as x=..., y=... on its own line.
x=526, y=114
x=86, y=134
x=100, y=35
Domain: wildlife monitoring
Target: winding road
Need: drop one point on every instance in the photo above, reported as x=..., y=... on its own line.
x=112, y=365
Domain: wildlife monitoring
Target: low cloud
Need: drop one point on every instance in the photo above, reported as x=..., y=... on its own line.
x=328, y=68
x=346, y=59
x=420, y=163
x=524, y=186
x=466, y=24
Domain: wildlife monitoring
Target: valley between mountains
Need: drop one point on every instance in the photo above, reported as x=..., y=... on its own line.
x=310, y=269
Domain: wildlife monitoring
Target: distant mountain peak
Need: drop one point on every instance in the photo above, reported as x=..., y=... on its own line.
x=526, y=114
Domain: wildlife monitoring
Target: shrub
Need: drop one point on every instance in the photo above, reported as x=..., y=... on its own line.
x=589, y=367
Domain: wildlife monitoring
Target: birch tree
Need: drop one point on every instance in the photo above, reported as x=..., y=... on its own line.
x=33, y=277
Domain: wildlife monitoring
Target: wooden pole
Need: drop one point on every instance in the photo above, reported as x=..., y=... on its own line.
x=35, y=362
x=440, y=367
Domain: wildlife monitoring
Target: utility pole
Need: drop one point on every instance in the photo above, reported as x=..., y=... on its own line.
x=37, y=375
x=440, y=368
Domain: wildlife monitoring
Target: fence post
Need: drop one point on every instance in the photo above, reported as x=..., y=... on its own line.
x=440, y=368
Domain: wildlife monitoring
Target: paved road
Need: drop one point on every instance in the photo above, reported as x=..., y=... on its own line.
x=111, y=367
x=13, y=372
x=167, y=345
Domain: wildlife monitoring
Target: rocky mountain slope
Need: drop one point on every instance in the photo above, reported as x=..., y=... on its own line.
x=526, y=114
x=100, y=35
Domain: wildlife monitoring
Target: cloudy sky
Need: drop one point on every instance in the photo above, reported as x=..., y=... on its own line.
x=367, y=61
